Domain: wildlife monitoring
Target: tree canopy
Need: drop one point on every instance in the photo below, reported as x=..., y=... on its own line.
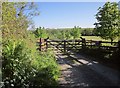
x=16, y=18
x=108, y=21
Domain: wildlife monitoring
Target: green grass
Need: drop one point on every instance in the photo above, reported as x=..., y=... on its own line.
x=96, y=38
x=99, y=39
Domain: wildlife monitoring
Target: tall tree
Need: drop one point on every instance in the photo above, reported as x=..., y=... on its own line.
x=75, y=32
x=108, y=21
x=16, y=18
x=41, y=32
x=67, y=34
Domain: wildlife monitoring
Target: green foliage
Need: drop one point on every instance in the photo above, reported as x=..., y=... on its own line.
x=30, y=7
x=48, y=69
x=23, y=65
x=14, y=20
x=17, y=68
x=54, y=33
x=87, y=32
x=58, y=33
x=108, y=18
x=75, y=32
x=67, y=34
x=40, y=33
x=21, y=68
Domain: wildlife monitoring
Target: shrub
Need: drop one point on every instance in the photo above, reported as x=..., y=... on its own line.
x=48, y=71
x=21, y=69
x=17, y=68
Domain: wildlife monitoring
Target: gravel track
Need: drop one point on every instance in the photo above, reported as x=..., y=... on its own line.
x=77, y=74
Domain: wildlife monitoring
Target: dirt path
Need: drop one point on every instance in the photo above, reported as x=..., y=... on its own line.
x=77, y=72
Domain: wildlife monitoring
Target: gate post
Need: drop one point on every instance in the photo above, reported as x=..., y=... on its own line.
x=64, y=46
x=119, y=45
x=47, y=43
x=40, y=44
x=83, y=43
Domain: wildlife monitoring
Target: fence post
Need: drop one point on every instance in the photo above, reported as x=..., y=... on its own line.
x=83, y=43
x=99, y=44
x=40, y=44
x=119, y=45
x=47, y=43
x=64, y=46
x=91, y=44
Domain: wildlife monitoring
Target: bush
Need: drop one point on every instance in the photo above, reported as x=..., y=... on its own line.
x=48, y=71
x=87, y=32
x=17, y=68
x=21, y=69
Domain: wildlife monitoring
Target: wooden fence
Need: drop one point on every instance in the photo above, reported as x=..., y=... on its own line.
x=42, y=44
x=66, y=45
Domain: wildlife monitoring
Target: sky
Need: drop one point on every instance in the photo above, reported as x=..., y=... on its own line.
x=66, y=14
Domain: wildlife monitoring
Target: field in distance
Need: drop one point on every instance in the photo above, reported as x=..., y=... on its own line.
x=97, y=38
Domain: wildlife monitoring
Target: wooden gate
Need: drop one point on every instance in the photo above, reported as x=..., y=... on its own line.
x=42, y=44
x=65, y=45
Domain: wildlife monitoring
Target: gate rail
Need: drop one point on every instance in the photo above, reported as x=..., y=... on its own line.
x=66, y=45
